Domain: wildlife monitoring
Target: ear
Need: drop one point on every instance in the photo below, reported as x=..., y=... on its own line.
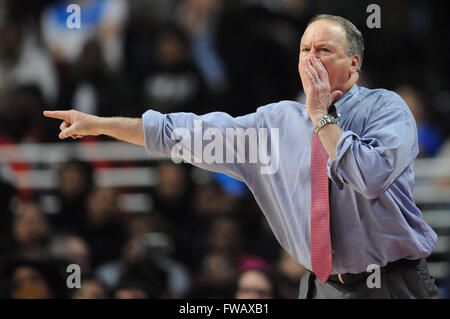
x=354, y=64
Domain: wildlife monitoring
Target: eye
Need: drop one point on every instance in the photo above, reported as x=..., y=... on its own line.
x=305, y=50
x=324, y=50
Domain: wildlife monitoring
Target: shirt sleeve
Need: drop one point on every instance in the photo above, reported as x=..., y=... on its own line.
x=370, y=162
x=192, y=138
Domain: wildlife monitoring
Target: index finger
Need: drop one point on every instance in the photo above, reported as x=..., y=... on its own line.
x=312, y=72
x=61, y=115
x=317, y=63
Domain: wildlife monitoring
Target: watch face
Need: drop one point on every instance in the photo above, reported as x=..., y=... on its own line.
x=326, y=119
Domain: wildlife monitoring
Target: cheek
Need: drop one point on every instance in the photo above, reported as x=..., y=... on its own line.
x=300, y=64
x=331, y=69
x=338, y=70
x=327, y=64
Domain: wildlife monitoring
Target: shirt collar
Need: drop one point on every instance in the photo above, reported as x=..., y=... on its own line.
x=341, y=104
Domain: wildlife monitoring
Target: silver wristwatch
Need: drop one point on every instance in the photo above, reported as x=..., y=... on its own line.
x=326, y=119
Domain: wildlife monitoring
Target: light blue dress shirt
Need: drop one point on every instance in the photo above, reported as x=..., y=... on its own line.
x=373, y=216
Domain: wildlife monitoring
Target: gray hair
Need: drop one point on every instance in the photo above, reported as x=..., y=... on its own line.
x=355, y=40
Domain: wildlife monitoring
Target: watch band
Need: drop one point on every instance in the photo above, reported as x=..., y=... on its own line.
x=326, y=119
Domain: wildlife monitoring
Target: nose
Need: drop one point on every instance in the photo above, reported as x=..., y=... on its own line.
x=313, y=52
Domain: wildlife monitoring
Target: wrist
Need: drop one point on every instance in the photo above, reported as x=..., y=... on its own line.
x=326, y=119
x=317, y=117
x=101, y=126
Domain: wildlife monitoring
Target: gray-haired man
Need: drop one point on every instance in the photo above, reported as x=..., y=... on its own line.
x=341, y=199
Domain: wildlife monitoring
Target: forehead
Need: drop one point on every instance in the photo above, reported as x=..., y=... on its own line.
x=254, y=277
x=322, y=31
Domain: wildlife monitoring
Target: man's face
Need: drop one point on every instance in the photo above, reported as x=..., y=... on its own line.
x=327, y=41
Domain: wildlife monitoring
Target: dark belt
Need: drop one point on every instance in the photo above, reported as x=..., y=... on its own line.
x=349, y=279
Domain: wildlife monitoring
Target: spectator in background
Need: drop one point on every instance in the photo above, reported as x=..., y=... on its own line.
x=259, y=239
x=289, y=272
x=430, y=138
x=172, y=193
x=158, y=247
x=153, y=11
x=24, y=63
x=224, y=256
x=229, y=200
x=148, y=241
x=103, y=230
x=31, y=231
x=132, y=290
x=200, y=19
x=33, y=279
x=175, y=84
x=225, y=237
x=102, y=20
x=92, y=86
x=216, y=277
x=90, y=289
x=75, y=182
x=142, y=279
x=71, y=249
x=19, y=115
x=142, y=224
x=210, y=201
x=140, y=44
x=172, y=197
x=248, y=46
x=299, y=10
x=256, y=283
x=110, y=272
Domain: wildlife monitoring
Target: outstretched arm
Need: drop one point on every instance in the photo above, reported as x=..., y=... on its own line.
x=164, y=135
x=77, y=124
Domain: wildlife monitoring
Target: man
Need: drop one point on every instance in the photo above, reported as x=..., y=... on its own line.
x=341, y=199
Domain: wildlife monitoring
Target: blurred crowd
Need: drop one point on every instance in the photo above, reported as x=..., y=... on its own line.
x=207, y=239
x=203, y=240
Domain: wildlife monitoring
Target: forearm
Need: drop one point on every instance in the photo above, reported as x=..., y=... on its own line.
x=125, y=129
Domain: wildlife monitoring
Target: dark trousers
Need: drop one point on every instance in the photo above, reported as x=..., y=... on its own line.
x=409, y=281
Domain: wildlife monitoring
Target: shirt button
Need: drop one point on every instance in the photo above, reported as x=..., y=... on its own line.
x=333, y=251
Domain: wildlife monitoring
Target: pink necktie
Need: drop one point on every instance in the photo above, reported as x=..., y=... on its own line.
x=320, y=212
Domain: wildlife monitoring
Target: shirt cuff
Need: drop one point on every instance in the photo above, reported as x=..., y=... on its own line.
x=152, y=122
x=333, y=166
